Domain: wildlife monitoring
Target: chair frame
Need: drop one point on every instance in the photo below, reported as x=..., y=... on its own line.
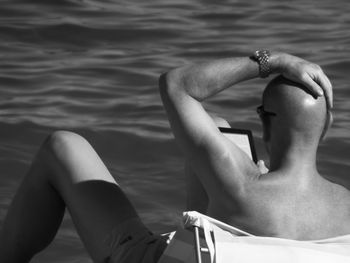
x=197, y=245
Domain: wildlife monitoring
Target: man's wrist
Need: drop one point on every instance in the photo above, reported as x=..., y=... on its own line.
x=275, y=62
x=262, y=58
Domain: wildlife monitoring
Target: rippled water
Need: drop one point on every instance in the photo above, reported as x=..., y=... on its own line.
x=92, y=66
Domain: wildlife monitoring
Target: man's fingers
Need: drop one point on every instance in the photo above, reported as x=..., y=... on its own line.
x=261, y=165
x=327, y=87
x=330, y=92
x=315, y=89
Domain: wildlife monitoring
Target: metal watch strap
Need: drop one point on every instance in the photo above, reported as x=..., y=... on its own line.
x=262, y=57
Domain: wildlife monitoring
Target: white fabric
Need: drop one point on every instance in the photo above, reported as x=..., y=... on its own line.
x=208, y=239
x=233, y=245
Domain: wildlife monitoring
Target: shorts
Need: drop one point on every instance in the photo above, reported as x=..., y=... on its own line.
x=132, y=242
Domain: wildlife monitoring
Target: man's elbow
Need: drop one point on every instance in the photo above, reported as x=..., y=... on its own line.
x=170, y=82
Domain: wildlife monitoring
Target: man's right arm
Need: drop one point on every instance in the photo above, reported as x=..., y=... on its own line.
x=210, y=153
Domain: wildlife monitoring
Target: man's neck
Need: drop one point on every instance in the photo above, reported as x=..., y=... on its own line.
x=296, y=161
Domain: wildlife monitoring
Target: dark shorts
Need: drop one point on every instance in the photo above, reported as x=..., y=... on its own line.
x=132, y=242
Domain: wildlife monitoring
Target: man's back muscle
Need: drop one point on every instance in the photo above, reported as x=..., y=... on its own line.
x=275, y=206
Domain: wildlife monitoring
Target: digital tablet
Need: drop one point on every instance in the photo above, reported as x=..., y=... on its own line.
x=243, y=139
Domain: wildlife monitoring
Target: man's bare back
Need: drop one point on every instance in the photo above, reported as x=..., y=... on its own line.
x=272, y=205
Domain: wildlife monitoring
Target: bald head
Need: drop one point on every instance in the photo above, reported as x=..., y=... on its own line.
x=298, y=114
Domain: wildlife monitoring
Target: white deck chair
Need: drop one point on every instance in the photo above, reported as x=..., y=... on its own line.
x=202, y=239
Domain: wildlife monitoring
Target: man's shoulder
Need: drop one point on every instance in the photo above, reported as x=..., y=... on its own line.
x=340, y=195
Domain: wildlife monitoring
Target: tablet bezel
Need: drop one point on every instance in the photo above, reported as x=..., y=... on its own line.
x=245, y=132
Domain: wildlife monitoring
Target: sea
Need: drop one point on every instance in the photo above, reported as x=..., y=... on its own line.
x=92, y=67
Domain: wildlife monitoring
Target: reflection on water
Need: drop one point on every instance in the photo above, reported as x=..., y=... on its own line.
x=92, y=67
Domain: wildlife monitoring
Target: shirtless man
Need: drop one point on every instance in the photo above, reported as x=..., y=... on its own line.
x=291, y=201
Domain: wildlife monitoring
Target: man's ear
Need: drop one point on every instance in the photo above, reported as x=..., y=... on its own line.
x=328, y=124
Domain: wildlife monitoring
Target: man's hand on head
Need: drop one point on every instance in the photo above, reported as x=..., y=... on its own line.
x=304, y=72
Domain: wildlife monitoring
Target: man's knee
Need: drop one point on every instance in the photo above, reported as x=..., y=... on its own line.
x=62, y=141
x=62, y=151
x=220, y=122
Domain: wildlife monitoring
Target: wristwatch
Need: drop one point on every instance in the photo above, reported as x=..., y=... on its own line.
x=262, y=58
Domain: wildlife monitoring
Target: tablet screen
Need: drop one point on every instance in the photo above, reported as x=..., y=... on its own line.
x=243, y=139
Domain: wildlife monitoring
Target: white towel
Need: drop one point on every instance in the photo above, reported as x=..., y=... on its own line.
x=227, y=244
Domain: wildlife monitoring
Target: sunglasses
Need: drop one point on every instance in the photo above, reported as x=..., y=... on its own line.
x=261, y=111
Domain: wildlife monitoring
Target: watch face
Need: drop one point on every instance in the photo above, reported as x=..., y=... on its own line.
x=256, y=54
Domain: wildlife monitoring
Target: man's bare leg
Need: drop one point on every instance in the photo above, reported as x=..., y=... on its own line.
x=66, y=172
x=197, y=198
